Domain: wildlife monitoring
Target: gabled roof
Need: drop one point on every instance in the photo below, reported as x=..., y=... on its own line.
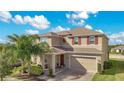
x=74, y=32
x=79, y=31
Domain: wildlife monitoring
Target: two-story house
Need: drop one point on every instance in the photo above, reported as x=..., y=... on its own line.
x=77, y=49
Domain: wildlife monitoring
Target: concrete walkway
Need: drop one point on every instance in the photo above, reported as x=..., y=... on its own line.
x=69, y=75
x=66, y=75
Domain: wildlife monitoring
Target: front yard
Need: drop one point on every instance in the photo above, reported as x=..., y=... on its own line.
x=115, y=72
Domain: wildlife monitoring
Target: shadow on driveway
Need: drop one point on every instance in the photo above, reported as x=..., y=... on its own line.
x=70, y=75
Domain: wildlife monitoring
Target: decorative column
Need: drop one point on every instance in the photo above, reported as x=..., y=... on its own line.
x=59, y=59
x=53, y=64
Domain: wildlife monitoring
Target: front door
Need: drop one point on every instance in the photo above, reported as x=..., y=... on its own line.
x=62, y=60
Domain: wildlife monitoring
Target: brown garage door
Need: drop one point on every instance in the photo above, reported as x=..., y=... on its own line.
x=83, y=64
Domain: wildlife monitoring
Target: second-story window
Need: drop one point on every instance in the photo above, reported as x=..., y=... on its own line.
x=91, y=39
x=75, y=40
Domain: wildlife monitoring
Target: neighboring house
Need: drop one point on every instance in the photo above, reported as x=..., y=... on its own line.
x=77, y=49
x=118, y=49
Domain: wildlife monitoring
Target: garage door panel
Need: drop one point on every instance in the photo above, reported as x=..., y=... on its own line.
x=83, y=64
x=77, y=66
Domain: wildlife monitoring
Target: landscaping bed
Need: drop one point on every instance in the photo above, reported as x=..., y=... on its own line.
x=27, y=77
x=35, y=71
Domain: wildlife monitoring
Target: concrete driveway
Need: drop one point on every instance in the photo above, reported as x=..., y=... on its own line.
x=70, y=75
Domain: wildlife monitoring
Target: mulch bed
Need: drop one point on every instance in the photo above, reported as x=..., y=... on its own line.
x=29, y=77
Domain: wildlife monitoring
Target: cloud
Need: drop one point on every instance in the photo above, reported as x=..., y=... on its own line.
x=79, y=22
x=82, y=15
x=59, y=28
x=79, y=17
x=68, y=16
x=117, y=38
x=5, y=16
x=88, y=27
x=93, y=12
x=39, y=22
x=30, y=31
x=18, y=19
x=27, y=19
x=99, y=30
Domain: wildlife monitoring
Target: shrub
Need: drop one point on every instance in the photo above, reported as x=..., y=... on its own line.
x=16, y=71
x=36, y=70
x=107, y=65
x=99, y=68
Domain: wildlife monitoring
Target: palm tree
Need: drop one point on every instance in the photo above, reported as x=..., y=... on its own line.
x=13, y=38
x=26, y=47
x=20, y=44
x=4, y=62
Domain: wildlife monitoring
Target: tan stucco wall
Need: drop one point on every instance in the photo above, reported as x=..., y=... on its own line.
x=57, y=59
x=48, y=58
x=56, y=41
x=105, y=49
x=66, y=60
x=83, y=43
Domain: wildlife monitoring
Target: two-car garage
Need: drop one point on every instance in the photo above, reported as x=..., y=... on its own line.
x=83, y=64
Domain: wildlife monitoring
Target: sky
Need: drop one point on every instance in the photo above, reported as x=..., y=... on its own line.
x=110, y=23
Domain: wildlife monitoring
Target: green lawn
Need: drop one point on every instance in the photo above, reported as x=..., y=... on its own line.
x=115, y=72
